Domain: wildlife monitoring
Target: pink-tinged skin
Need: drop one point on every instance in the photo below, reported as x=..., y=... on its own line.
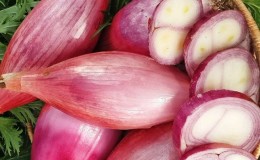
x=246, y=44
x=207, y=23
x=153, y=144
x=52, y=32
x=185, y=120
x=60, y=136
x=129, y=28
x=216, y=151
x=197, y=84
x=114, y=89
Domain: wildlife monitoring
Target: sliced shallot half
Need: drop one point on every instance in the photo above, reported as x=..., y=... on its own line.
x=114, y=89
x=233, y=69
x=215, y=32
x=217, y=116
x=217, y=152
x=147, y=144
x=60, y=136
x=170, y=24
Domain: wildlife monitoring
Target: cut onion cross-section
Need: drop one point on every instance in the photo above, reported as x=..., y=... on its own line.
x=217, y=152
x=217, y=116
x=215, y=32
x=232, y=69
x=170, y=24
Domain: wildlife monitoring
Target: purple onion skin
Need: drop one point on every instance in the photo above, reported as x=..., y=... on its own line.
x=54, y=30
x=215, y=151
x=60, y=136
x=153, y=144
x=197, y=79
x=190, y=106
x=130, y=28
x=203, y=24
x=123, y=90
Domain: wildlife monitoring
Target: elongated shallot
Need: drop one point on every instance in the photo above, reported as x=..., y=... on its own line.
x=116, y=89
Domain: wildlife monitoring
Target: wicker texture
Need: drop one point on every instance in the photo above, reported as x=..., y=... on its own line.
x=255, y=36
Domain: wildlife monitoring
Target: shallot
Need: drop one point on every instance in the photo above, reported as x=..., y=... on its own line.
x=233, y=69
x=114, y=89
x=214, y=32
x=217, y=116
x=153, y=144
x=53, y=31
x=217, y=152
x=60, y=136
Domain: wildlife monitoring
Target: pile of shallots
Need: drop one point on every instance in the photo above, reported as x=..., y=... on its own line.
x=168, y=80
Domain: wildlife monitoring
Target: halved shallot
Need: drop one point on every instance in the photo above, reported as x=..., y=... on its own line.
x=53, y=31
x=217, y=116
x=60, y=136
x=154, y=143
x=172, y=20
x=232, y=69
x=113, y=89
x=214, y=32
x=217, y=152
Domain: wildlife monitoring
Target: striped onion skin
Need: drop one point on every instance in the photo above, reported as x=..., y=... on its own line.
x=52, y=32
x=123, y=90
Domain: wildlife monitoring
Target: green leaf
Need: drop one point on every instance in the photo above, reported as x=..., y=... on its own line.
x=114, y=7
x=2, y=50
x=10, y=135
x=11, y=17
x=254, y=7
x=24, y=155
x=25, y=114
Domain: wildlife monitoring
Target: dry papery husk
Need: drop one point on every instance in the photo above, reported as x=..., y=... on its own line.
x=253, y=30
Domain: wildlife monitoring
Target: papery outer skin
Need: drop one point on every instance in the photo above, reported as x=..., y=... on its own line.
x=197, y=79
x=59, y=136
x=216, y=149
x=52, y=32
x=113, y=89
x=154, y=143
x=130, y=27
x=246, y=44
x=207, y=5
x=190, y=107
x=203, y=24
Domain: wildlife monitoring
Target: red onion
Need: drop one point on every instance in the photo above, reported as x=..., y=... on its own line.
x=217, y=116
x=217, y=152
x=129, y=28
x=55, y=30
x=233, y=69
x=116, y=89
x=214, y=32
x=153, y=144
x=60, y=136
